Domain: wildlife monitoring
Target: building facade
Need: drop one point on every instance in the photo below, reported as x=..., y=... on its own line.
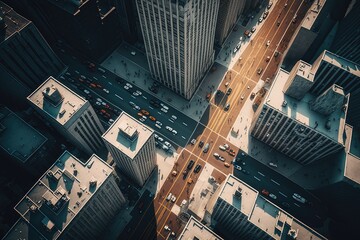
x=179, y=40
x=26, y=59
x=69, y=113
x=305, y=130
x=132, y=145
x=229, y=12
x=72, y=200
x=195, y=230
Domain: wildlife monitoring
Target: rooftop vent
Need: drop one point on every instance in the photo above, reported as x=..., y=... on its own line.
x=292, y=234
x=284, y=104
x=238, y=192
x=33, y=208
x=93, y=182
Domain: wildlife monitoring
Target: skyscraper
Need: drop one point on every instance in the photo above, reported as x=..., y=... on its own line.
x=132, y=145
x=179, y=39
x=69, y=113
x=72, y=200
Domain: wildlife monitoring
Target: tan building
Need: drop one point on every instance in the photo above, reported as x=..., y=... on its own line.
x=72, y=200
x=196, y=230
x=132, y=145
x=69, y=113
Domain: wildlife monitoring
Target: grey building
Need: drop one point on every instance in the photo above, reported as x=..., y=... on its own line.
x=72, y=200
x=179, y=40
x=132, y=145
x=26, y=59
x=229, y=12
x=293, y=128
x=70, y=114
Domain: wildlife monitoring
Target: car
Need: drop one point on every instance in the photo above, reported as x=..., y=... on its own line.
x=173, y=234
x=226, y=164
x=193, y=141
x=245, y=172
x=241, y=39
x=98, y=85
x=249, y=35
x=228, y=92
x=167, y=144
x=185, y=173
x=206, y=148
x=146, y=113
x=132, y=104
x=166, y=227
x=135, y=94
x=174, y=131
x=265, y=14
x=253, y=29
x=86, y=91
x=278, y=23
x=142, y=119
x=259, y=71
x=158, y=126
x=246, y=32
x=221, y=158
x=235, y=50
x=201, y=144
x=265, y=192
x=222, y=148
x=164, y=106
x=129, y=85
x=111, y=121
x=98, y=103
x=173, y=198
x=138, y=92
x=140, y=114
x=273, y=164
x=227, y=84
x=298, y=198
x=248, y=87
x=160, y=139
x=216, y=155
x=169, y=128
x=152, y=118
x=276, y=54
x=238, y=167
x=126, y=87
x=190, y=164
x=252, y=95
x=165, y=148
x=267, y=43
x=294, y=19
x=227, y=106
x=136, y=107
x=273, y=196
x=169, y=197
x=231, y=152
x=197, y=168
x=174, y=117
x=103, y=103
x=155, y=135
x=105, y=90
x=260, y=19
x=164, y=110
x=174, y=173
x=242, y=97
x=267, y=59
x=285, y=5
x=159, y=123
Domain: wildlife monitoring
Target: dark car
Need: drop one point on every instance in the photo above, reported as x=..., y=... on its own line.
x=228, y=92
x=191, y=164
x=197, y=168
x=185, y=173
x=201, y=144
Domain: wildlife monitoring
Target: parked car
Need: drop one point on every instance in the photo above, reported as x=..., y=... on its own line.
x=298, y=198
x=265, y=192
x=169, y=197
x=267, y=43
x=197, y=168
x=164, y=110
x=174, y=131
x=227, y=106
x=273, y=196
x=216, y=155
x=169, y=128
x=253, y=29
x=226, y=164
x=259, y=71
x=238, y=167
x=167, y=228
x=231, y=152
x=221, y=147
x=206, y=148
x=190, y=164
x=228, y=92
x=221, y=158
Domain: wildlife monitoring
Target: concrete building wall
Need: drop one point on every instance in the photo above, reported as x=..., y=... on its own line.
x=179, y=40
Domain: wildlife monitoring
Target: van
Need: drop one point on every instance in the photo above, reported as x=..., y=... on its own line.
x=206, y=148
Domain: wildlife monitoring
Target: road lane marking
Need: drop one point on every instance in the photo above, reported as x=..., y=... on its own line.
x=257, y=178
x=296, y=204
x=159, y=113
x=283, y=194
x=184, y=124
x=103, y=76
x=119, y=96
x=144, y=97
x=261, y=174
x=275, y=182
x=151, y=108
x=133, y=96
x=171, y=120
x=183, y=137
x=110, y=83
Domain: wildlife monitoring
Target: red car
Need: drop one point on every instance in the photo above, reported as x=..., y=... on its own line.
x=265, y=192
x=231, y=152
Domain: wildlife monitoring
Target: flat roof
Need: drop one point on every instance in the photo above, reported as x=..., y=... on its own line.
x=301, y=112
x=312, y=14
x=194, y=228
x=272, y=219
x=124, y=127
x=14, y=22
x=304, y=70
x=18, y=138
x=61, y=104
x=61, y=193
x=248, y=197
x=341, y=62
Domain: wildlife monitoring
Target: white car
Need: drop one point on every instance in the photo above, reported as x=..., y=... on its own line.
x=105, y=90
x=126, y=87
x=242, y=97
x=103, y=103
x=142, y=119
x=167, y=144
x=158, y=123
x=98, y=103
x=268, y=43
x=222, y=148
x=169, y=128
x=137, y=107
x=129, y=85
x=163, y=110
x=174, y=117
x=260, y=19
x=227, y=84
x=158, y=126
x=169, y=197
x=111, y=121
x=221, y=158
x=173, y=198
x=299, y=198
x=165, y=147
x=238, y=167
x=160, y=139
x=226, y=146
x=156, y=136
x=253, y=29
x=241, y=38
x=99, y=99
x=135, y=94
x=193, y=141
x=138, y=92
x=248, y=87
x=273, y=196
x=174, y=131
x=273, y=164
x=132, y=104
x=216, y=155
x=167, y=228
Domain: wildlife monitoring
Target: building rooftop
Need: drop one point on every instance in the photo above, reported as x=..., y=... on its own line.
x=13, y=21
x=61, y=193
x=18, y=138
x=57, y=100
x=128, y=135
x=196, y=230
x=22, y=230
x=233, y=188
x=312, y=14
x=70, y=6
x=301, y=112
x=277, y=223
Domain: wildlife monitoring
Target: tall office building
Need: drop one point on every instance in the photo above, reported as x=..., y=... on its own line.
x=347, y=38
x=305, y=130
x=69, y=113
x=72, y=200
x=179, y=39
x=132, y=145
x=239, y=212
x=26, y=60
x=229, y=12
